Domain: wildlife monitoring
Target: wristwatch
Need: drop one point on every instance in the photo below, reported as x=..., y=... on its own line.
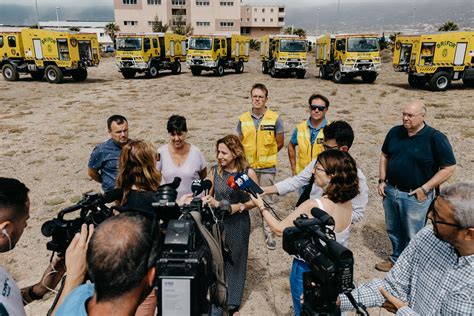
x=424, y=190
x=241, y=207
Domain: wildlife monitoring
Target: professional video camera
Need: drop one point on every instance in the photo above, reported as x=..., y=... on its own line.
x=191, y=266
x=331, y=264
x=93, y=211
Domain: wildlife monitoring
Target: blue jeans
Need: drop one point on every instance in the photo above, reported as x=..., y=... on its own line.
x=404, y=217
x=296, y=283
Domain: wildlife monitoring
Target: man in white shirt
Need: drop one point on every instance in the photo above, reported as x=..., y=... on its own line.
x=338, y=135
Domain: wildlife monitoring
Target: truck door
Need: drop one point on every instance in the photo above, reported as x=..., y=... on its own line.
x=223, y=48
x=460, y=53
x=217, y=46
x=172, y=48
x=37, y=48
x=161, y=40
x=156, y=47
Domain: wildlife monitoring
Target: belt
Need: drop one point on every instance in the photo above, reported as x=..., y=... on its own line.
x=401, y=188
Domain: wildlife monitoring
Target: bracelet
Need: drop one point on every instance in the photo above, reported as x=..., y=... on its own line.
x=424, y=190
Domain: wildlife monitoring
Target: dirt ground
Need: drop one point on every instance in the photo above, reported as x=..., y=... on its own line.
x=48, y=131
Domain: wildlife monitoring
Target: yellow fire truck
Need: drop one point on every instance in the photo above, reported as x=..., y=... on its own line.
x=436, y=59
x=46, y=53
x=284, y=54
x=346, y=56
x=149, y=53
x=217, y=53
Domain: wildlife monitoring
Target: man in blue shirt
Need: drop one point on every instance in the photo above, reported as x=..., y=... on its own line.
x=103, y=162
x=415, y=160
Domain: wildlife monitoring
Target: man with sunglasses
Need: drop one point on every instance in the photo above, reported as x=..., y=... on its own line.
x=415, y=160
x=434, y=275
x=337, y=135
x=308, y=135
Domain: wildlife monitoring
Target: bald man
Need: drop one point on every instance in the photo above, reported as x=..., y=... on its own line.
x=415, y=160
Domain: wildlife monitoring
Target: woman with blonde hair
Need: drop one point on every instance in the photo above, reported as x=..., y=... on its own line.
x=336, y=172
x=231, y=161
x=139, y=179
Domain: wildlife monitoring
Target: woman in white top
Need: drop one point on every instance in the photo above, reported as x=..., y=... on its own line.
x=336, y=172
x=180, y=158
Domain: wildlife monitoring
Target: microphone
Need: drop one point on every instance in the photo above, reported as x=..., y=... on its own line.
x=224, y=208
x=206, y=185
x=176, y=182
x=231, y=183
x=196, y=187
x=244, y=182
x=324, y=217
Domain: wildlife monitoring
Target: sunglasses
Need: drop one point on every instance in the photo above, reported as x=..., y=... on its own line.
x=320, y=108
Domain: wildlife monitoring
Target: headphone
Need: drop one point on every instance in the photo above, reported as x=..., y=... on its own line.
x=4, y=232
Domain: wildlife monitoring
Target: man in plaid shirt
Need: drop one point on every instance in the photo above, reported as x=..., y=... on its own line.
x=434, y=275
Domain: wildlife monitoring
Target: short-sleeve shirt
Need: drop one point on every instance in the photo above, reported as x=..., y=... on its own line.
x=11, y=302
x=188, y=171
x=104, y=159
x=75, y=303
x=279, y=128
x=414, y=160
x=312, y=130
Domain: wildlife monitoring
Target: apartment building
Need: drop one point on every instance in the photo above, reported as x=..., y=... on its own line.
x=205, y=16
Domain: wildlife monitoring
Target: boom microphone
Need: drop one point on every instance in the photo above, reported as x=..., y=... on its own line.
x=324, y=217
x=244, y=183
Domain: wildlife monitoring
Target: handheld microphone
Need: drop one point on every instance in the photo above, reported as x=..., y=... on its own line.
x=324, y=217
x=176, y=182
x=196, y=187
x=231, y=183
x=244, y=182
x=206, y=185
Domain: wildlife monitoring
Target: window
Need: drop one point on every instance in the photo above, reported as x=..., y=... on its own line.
x=130, y=23
x=271, y=10
x=226, y=24
x=263, y=10
x=1, y=41
x=281, y=19
x=255, y=10
x=178, y=2
x=155, y=43
x=248, y=9
x=129, y=2
x=202, y=3
x=255, y=19
x=206, y=24
x=150, y=23
x=227, y=3
x=281, y=10
x=101, y=34
x=263, y=19
x=248, y=19
x=11, y=41
x=154, y=2
x=271, y=19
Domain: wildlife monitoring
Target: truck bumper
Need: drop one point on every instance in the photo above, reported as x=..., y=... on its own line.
x=201, y=64
x=291, y=66
x=361, y=67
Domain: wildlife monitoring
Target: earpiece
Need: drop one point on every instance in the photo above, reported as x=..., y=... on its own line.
x=4, y=231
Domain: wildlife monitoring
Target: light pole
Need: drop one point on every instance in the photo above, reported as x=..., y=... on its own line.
x=57, y=15
x=37, y=15
x=317, y=21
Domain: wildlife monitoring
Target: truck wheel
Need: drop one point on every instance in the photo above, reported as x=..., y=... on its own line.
x=416, y=82
x=239, y=67
x=176, y=68
x=273, y=72
x=337, y=76
x=220, y=70
x=80, y=74
x=264, y=68
x=300, y=74
x=369, y=77
x=53, y=74
x=468, y=82
x=37, y=75
x=196, y=71
x=10, y=73
x=323, y=73
x=440, y=81
x=153, y=71
x=128, y=73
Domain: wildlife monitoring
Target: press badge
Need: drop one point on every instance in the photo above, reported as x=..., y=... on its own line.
x=267, y=127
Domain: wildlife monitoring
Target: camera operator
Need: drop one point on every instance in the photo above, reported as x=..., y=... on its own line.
x=120, y=262
x=14, y=213
x=336, y=173
x=434, y=275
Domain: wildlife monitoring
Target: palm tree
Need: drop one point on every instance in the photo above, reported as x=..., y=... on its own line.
x=157, y=26
x=295, y=31
x=111, y=29
x=448, y=26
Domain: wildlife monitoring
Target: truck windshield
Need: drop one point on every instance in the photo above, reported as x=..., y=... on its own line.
x=363, y=44
x=129, y=43
x=200, y=43
x=292, y=46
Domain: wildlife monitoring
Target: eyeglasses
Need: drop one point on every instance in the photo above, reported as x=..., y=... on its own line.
x=327, y=147
x=320, y=108
x=319, y=169
x=432, y=209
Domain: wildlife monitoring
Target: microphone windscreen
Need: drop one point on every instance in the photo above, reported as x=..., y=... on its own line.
x=196, y=187
x=324, y=217
x=206, y=184
x=231, y=183
x=176, y=182
x=113, y=195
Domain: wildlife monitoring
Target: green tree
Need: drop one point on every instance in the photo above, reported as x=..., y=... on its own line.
x=254, y=44
x=157, y=26
x=448, y=26
x=111, y=30
x=295, y=31
x=179, y=26
x=392, y=38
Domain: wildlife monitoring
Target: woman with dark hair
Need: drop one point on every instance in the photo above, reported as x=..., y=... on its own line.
x=336, y=172
x=180, y=158
x=231, y=161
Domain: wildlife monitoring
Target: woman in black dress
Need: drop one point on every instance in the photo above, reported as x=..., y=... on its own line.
x=231, y=161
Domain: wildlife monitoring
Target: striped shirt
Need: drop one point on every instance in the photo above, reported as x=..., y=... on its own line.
x=429, y=275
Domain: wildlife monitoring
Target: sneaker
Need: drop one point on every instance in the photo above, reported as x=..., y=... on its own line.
x=384, y=266
x=271, y=242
